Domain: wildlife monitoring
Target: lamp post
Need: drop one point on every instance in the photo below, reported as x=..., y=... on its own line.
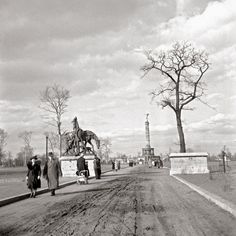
x=46, y=147
x=223, y=156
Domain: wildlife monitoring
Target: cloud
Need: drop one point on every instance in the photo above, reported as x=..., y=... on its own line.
x=180, y=7
x=214, y=96
x=163, y=128
x=220, y=123
x=212, y=28
x=42, y=22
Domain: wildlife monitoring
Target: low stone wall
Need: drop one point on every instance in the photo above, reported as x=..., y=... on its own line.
x=188, y=163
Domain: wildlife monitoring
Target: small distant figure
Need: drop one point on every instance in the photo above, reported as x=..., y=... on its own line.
x=97, y=167
x=113, y=165
x=33, y=175
x=116, y=165
x=161, y=163
x=51, y=172
x=155, y=163
x=149, y=163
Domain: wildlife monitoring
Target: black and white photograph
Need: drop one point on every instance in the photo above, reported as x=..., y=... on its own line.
x=117, y=117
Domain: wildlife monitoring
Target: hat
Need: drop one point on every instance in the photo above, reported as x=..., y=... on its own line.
x=34, y=157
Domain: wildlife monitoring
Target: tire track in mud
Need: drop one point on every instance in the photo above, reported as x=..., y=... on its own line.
x=160, y=215
x=138, y=209
x=152, y=217
x=127, y=221
x=109, y=207
x=64, y=220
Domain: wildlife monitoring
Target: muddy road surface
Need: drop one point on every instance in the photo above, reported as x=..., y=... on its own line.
x=133, y=201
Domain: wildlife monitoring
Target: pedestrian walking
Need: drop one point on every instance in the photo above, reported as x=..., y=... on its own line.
x=161, y=163
x=113, y=165
x=81, y=166
x=149, y=163
x=33, y=175
x=155, y=163
x=97, y=167
x=116, y=165
x=51, y=172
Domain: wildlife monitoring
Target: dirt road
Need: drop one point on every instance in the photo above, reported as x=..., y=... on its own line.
x=133, y=201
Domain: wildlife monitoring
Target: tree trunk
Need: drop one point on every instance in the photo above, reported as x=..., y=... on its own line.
x=180, y=131
x=25, y=159
x=60, y=141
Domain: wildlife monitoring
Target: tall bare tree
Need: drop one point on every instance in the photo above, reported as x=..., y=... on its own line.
x=54, y=101
x=3, y=142
x=181, y=69
x=27, y=149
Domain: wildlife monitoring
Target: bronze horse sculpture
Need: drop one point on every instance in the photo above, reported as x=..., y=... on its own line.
x=78, y=139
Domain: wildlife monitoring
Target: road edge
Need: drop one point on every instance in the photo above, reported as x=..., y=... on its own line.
x=222, y=203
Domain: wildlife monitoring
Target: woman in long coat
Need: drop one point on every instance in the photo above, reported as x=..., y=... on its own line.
x=33, y=175
x=51, y=172
x=97, y=167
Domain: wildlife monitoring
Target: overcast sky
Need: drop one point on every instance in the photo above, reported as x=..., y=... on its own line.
x=94, y=49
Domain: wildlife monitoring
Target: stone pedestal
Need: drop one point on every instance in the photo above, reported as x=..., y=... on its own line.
x=188, y=163
x=69, y=165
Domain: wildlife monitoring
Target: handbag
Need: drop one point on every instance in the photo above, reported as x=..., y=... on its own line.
x=39, y=183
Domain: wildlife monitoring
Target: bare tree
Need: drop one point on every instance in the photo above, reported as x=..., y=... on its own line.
x=27, y=149
x=3, y=142
x=53, y=139
x=54, y=101
x=105, y=149
x=182, y=69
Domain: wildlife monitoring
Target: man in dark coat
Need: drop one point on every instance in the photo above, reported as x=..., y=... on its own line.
x=97, y=167
x=81, y=165
x=33, y=175
x=113, y=165
x=52, y=171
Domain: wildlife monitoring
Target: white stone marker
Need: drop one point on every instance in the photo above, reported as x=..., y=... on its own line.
x=188, y=163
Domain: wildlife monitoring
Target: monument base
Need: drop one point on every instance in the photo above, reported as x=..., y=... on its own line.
x=69, y=165
x=188, y=163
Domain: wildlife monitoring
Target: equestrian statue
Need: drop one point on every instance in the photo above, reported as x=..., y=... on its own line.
x=77, y=141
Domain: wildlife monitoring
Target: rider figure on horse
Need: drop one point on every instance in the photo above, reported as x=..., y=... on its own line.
x=79, y=138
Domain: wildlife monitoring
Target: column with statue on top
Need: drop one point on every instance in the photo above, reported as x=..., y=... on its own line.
x=148, y=151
